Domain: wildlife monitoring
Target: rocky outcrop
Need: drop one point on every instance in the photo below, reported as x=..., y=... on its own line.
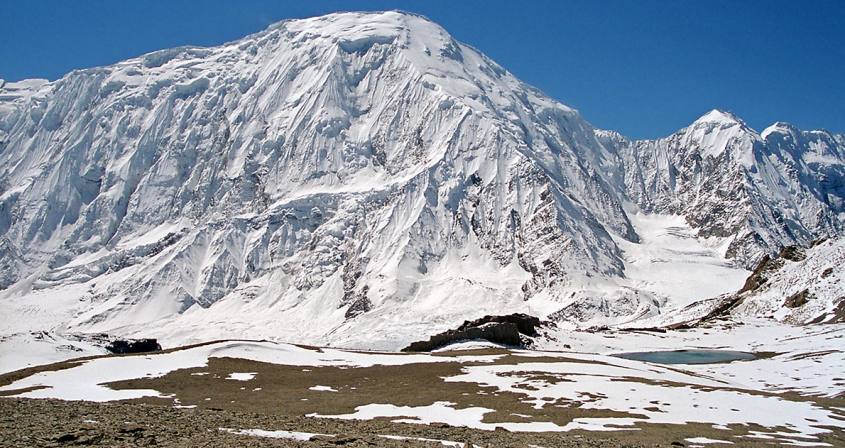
x=768, y=264
x=121, y=346
x=798, y=286
x=800, y=298
x=526, y=324
x=758, y=277
x=506, y=330
x=792, y=253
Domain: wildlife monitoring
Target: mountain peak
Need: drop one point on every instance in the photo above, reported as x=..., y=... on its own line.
x=422, y=44
x=719, y=117
x=364, y=24
x=780, y=127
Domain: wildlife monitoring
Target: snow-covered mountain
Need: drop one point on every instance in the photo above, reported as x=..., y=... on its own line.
x=361, y=179
x=761, y=191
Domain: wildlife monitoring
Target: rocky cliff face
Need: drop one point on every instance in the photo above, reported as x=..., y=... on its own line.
x=344, y=178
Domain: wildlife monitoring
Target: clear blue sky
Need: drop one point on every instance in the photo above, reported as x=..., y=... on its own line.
x=645, y=68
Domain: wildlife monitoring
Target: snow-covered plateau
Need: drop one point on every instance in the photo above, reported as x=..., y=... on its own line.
x=364, y=180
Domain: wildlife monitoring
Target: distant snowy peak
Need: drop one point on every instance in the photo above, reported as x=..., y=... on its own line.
x=814, y=147
x=790, y=131
x=720, y=118
x=720, y=134
x=783, y=129
x=764, y=191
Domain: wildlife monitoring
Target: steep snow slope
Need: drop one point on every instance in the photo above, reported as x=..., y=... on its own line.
x=319, y=170
x=762, y=191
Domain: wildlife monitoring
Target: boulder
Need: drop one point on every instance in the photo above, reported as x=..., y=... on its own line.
x=526, y=324
x=121, y=346
x=506, y=330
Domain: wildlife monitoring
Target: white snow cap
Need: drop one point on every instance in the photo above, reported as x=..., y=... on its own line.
x=719, y=117
x=780, y=127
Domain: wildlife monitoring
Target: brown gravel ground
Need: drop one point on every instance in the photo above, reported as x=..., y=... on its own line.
x=278, y=397
x=52, y=423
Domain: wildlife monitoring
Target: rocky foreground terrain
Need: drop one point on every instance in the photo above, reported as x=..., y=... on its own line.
x=56, y=423
x=250, y=393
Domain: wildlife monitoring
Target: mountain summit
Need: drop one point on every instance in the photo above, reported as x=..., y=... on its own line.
x=720, y=117
x=357, y=179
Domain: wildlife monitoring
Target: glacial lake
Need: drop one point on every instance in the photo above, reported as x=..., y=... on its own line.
x=689, y=356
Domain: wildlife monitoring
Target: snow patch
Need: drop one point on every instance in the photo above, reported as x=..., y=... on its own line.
x=290, y=435
x=241, y=376
x=319, y=388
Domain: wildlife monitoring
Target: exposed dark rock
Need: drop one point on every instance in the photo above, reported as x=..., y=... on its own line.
x=505, y=330
x=359, y=306
x=827, y=272
x=680, y=326
x=792, y=253
x=500, y=333
x=355, y=298
x=798, y=299
x=644, y=329
x=66, y=438
x=818, y=241
x=133, y=346
x=725, y=306
x=758, y=278
x=526, y=324
x=837, y=316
